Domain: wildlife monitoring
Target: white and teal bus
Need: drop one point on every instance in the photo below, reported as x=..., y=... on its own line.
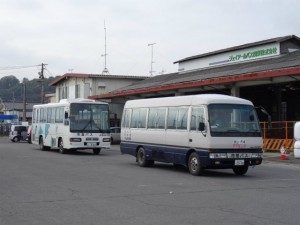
x=201, y=132
x=75, y=124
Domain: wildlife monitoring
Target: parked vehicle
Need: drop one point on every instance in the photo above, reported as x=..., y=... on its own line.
x=200, y=132
x=18, y=133
x=70, y=125
x=297, y=140
x=29, y=131
x=115, y=134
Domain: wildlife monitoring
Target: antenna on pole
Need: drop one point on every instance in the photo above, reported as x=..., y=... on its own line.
x=105, y=70
x=151, y=64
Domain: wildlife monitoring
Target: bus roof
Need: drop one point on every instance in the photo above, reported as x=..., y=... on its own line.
x=187, y=100
x=66, y=102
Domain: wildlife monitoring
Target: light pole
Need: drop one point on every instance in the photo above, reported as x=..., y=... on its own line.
x=151, y=64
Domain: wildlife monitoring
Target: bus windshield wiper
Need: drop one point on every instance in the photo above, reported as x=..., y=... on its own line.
x=85, y=126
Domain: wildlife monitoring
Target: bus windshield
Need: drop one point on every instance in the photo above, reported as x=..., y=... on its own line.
x=89, y=118
x=227, y=120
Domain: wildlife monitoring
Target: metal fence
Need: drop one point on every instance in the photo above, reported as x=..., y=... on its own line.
x=278, y=130
x=281, y=133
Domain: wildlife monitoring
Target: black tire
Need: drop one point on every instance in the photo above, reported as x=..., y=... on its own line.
x=16, y=139
x=194, y=165
x=96, y=151
x=240, y=170
x=62, y=150
x=141, y=158
x=41, y=144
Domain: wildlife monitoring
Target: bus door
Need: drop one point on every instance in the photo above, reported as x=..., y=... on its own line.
x=50, y=132
x=198, y=128
x=60, y=128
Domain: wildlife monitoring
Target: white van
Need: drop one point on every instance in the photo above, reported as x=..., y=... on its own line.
x=18, y=132
x=198, y=131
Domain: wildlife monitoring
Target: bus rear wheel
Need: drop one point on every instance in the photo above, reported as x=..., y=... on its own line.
x=194, y=165
x=41, y=144
x=62, y=150
x=141, y=158
x=240, y=170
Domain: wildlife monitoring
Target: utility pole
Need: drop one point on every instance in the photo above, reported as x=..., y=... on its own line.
x=42, y=78
x=151, y=64
x=105, y=70
x=24, y=101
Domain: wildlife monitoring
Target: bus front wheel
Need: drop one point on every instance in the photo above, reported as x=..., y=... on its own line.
x=194, y=165
x=141, y=158
x=62, y=150
x=96, y=151
x=240, y=170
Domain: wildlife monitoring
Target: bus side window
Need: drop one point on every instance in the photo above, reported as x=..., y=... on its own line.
x=59, y=115
x=43, y=115
x=177, y=118
x=197, y=118
x=156, y=118
x=34, y=115
x=126, y=118
x=138, y=118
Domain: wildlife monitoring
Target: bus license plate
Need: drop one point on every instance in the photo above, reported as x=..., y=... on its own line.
x=91, y=144
x=239, y=162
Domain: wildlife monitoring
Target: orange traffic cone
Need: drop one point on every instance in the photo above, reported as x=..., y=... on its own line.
x=283, y=153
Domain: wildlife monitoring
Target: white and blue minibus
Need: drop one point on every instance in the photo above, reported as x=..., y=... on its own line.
x=70, y=125
x=207, y=131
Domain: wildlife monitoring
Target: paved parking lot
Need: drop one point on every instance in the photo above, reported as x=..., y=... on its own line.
x=46, y=187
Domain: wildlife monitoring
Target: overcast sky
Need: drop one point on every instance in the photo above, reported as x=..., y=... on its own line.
x=68, y=35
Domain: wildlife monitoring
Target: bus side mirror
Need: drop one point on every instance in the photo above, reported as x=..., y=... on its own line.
x=201, y=126
x=268, y=115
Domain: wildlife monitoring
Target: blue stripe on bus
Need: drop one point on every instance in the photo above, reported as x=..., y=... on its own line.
x=164, y=153
x=178, y=155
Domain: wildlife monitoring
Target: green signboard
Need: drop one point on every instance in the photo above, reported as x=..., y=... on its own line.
x=253, y=54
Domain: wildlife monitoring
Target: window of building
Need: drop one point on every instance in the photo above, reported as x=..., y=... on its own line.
x=77, y=91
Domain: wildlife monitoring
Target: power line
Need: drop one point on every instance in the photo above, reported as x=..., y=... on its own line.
x=16, y=67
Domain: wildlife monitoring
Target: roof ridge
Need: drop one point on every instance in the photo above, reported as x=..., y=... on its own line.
x=266, y=41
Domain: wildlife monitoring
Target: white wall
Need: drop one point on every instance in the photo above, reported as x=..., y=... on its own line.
x=230, y=57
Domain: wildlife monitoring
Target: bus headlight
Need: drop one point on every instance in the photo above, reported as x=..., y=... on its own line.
x=75, y=139
x=218, y=155
x=256, y=155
